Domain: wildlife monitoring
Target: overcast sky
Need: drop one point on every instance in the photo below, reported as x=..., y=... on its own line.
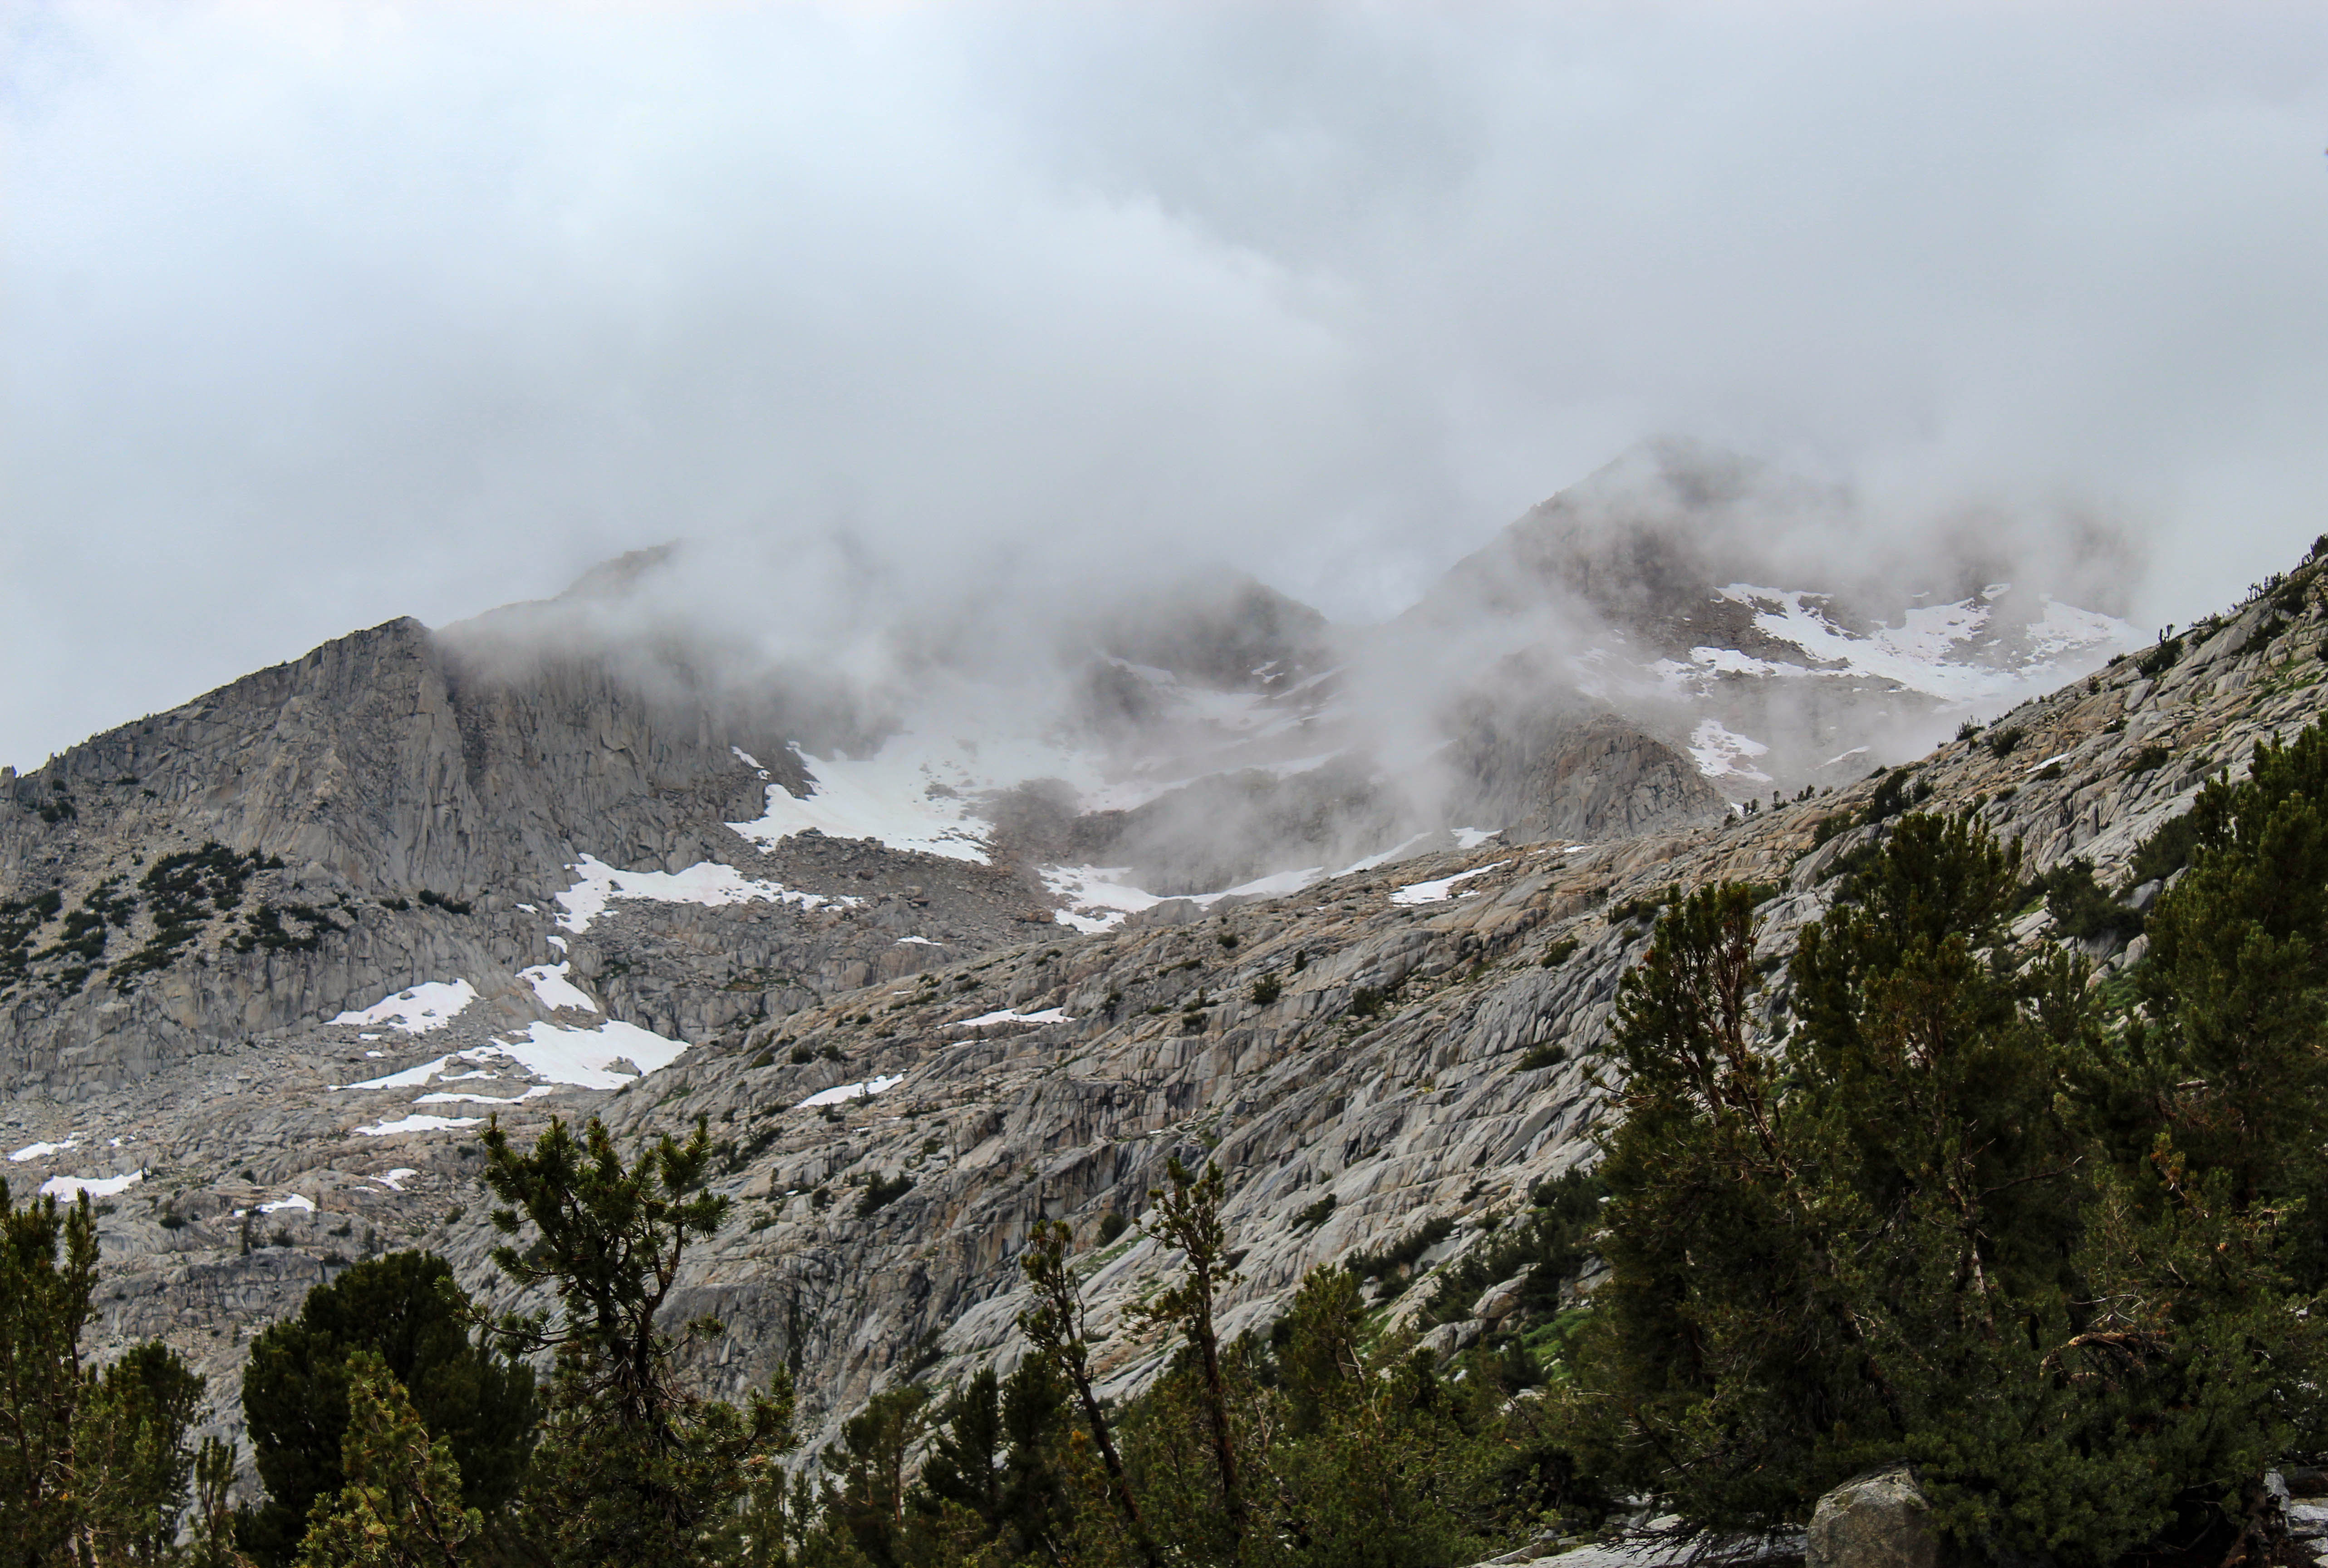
x=315, y=314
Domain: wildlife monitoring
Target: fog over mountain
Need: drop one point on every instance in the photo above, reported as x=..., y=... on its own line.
x=988, y=602
x=975, y=320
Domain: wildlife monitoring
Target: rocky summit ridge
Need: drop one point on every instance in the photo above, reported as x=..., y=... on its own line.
x=267, y=963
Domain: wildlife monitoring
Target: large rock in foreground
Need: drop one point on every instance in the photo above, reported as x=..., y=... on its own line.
x=1875, y=1521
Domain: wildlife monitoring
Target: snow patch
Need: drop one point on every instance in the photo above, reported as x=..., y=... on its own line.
x=553, y=989
x=1008, y=1015
x=70, y=1188
x=428, y=1006
x=305, y=1205
x=917, y=941
x=42, y=1150
x=564, y=1054
x=2065, y=628
x=1097, y=899
x=835, y=1095
x=394, y=1180
x=441, y=1098
x=1722, y=754
x=894, y=796
x=410, y=1078
x=1443, y=888
x=709, y=883
x=1926, y=651
x=551, y=1053
x=419, y=1124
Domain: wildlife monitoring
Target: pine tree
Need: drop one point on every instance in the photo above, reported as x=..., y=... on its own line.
x=636, y=1467
x=2236, y=1064
x=1906, y=1235
x=1186, y=1214
x=406, y=1309
x=93, y=1465
x=401, y=1504
x=130, y=1444
x=1054, y=1327
x=997, y=1453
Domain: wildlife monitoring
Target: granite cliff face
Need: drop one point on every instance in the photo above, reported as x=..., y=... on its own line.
x=328, y=919
x=372, y=814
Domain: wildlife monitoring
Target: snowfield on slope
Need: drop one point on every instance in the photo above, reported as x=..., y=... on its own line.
x=1097, y=897
x=428, y=1006
x=1925, y=653
x=926, y=786
x=709, y=883
x=554, y=991
x=1723, y=755
x=551, y=1054
x=70, y=1188
x=1440, y=889
x=844, y=1092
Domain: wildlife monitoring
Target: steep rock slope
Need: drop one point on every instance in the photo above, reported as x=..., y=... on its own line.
x=320, y=833
x=1362, y=1040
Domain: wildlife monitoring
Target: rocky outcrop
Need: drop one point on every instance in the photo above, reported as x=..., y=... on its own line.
x=410, y=794
x=1548, y=775
x=1875, y=1521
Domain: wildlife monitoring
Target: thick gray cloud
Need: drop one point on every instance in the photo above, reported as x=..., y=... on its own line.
x=311, y=316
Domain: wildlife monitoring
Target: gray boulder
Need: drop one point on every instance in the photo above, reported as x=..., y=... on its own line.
x=1880, y=1520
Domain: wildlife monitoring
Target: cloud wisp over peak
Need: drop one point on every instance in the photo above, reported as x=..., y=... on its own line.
x=313, y=316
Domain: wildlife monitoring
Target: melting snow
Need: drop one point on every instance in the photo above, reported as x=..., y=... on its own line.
x=1438, y=891
x=42, y=1150
x=410, y=1078
x=1097, y=901
x=394, y=1180
x=920, y=941
x=707, y=882
x=419, y=1124
x=835, y=1095
x=2049, y=762
x=443, y=1099
x=305, y=1204
x=563, y=1055
x=553, y=1053
x=2065, y=628
x=1722, y=754
x=1008, y=1015
x=893, y=796
x=426, y=1006
x=553, y=989
x=71, y=1187
x=1923, y=652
